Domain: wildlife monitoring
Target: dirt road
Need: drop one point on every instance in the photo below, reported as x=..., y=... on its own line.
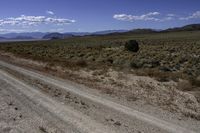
x=53, y=105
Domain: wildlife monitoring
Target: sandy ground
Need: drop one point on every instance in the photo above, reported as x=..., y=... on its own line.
x=116, y=101
x=83, y=108
x=35, y=107
x=18, y=114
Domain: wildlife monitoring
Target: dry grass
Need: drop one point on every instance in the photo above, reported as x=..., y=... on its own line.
x=184, y=85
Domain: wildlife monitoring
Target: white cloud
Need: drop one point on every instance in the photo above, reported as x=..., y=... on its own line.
x=154, y=16
x=8, y=22
x=12, y=30
x=34, y=20
x=171, y=15
x=59, y=21
x=195, y=15
x=131, y=18
x=28, y=18
x=153, y=13
x=151, y=16
x=167, y=18
x=50, y=12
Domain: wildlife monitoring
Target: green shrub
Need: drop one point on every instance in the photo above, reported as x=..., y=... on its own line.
x=132, y=46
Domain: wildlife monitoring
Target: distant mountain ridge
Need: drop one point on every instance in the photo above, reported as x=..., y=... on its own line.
x=17, y=38
x=108, y=32
x=2, y=38
x=22, y=37
x=191, y=27
x=56, y=35
x=24, y=34
x=143, y=31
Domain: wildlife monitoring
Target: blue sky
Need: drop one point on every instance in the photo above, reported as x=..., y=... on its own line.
x=95, y=15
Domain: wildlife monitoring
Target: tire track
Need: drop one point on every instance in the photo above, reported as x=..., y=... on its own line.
x=83, y=123
x=133, y=114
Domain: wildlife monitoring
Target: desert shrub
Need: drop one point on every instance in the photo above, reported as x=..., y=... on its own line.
x=195, y=81
x=43, y=129
x=184, y=85
x=136, y=63
x=132, y=46
x=110, y=60
x=145, y=63
x=81, y=63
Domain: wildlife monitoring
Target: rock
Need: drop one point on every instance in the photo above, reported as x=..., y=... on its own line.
x=177, y=66
x=165, y=69
x=117, y=123
x=132, y=46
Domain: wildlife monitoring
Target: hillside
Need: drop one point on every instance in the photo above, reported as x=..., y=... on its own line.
x=2, y=38
x=22, y=38
x=108, y=32
x=57, y=36
x=142, y=31
x=191, y=27
x=30, y=34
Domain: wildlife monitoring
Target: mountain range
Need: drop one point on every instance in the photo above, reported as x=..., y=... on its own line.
x=47, y=35
x=191, y=27
x=57, y=35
